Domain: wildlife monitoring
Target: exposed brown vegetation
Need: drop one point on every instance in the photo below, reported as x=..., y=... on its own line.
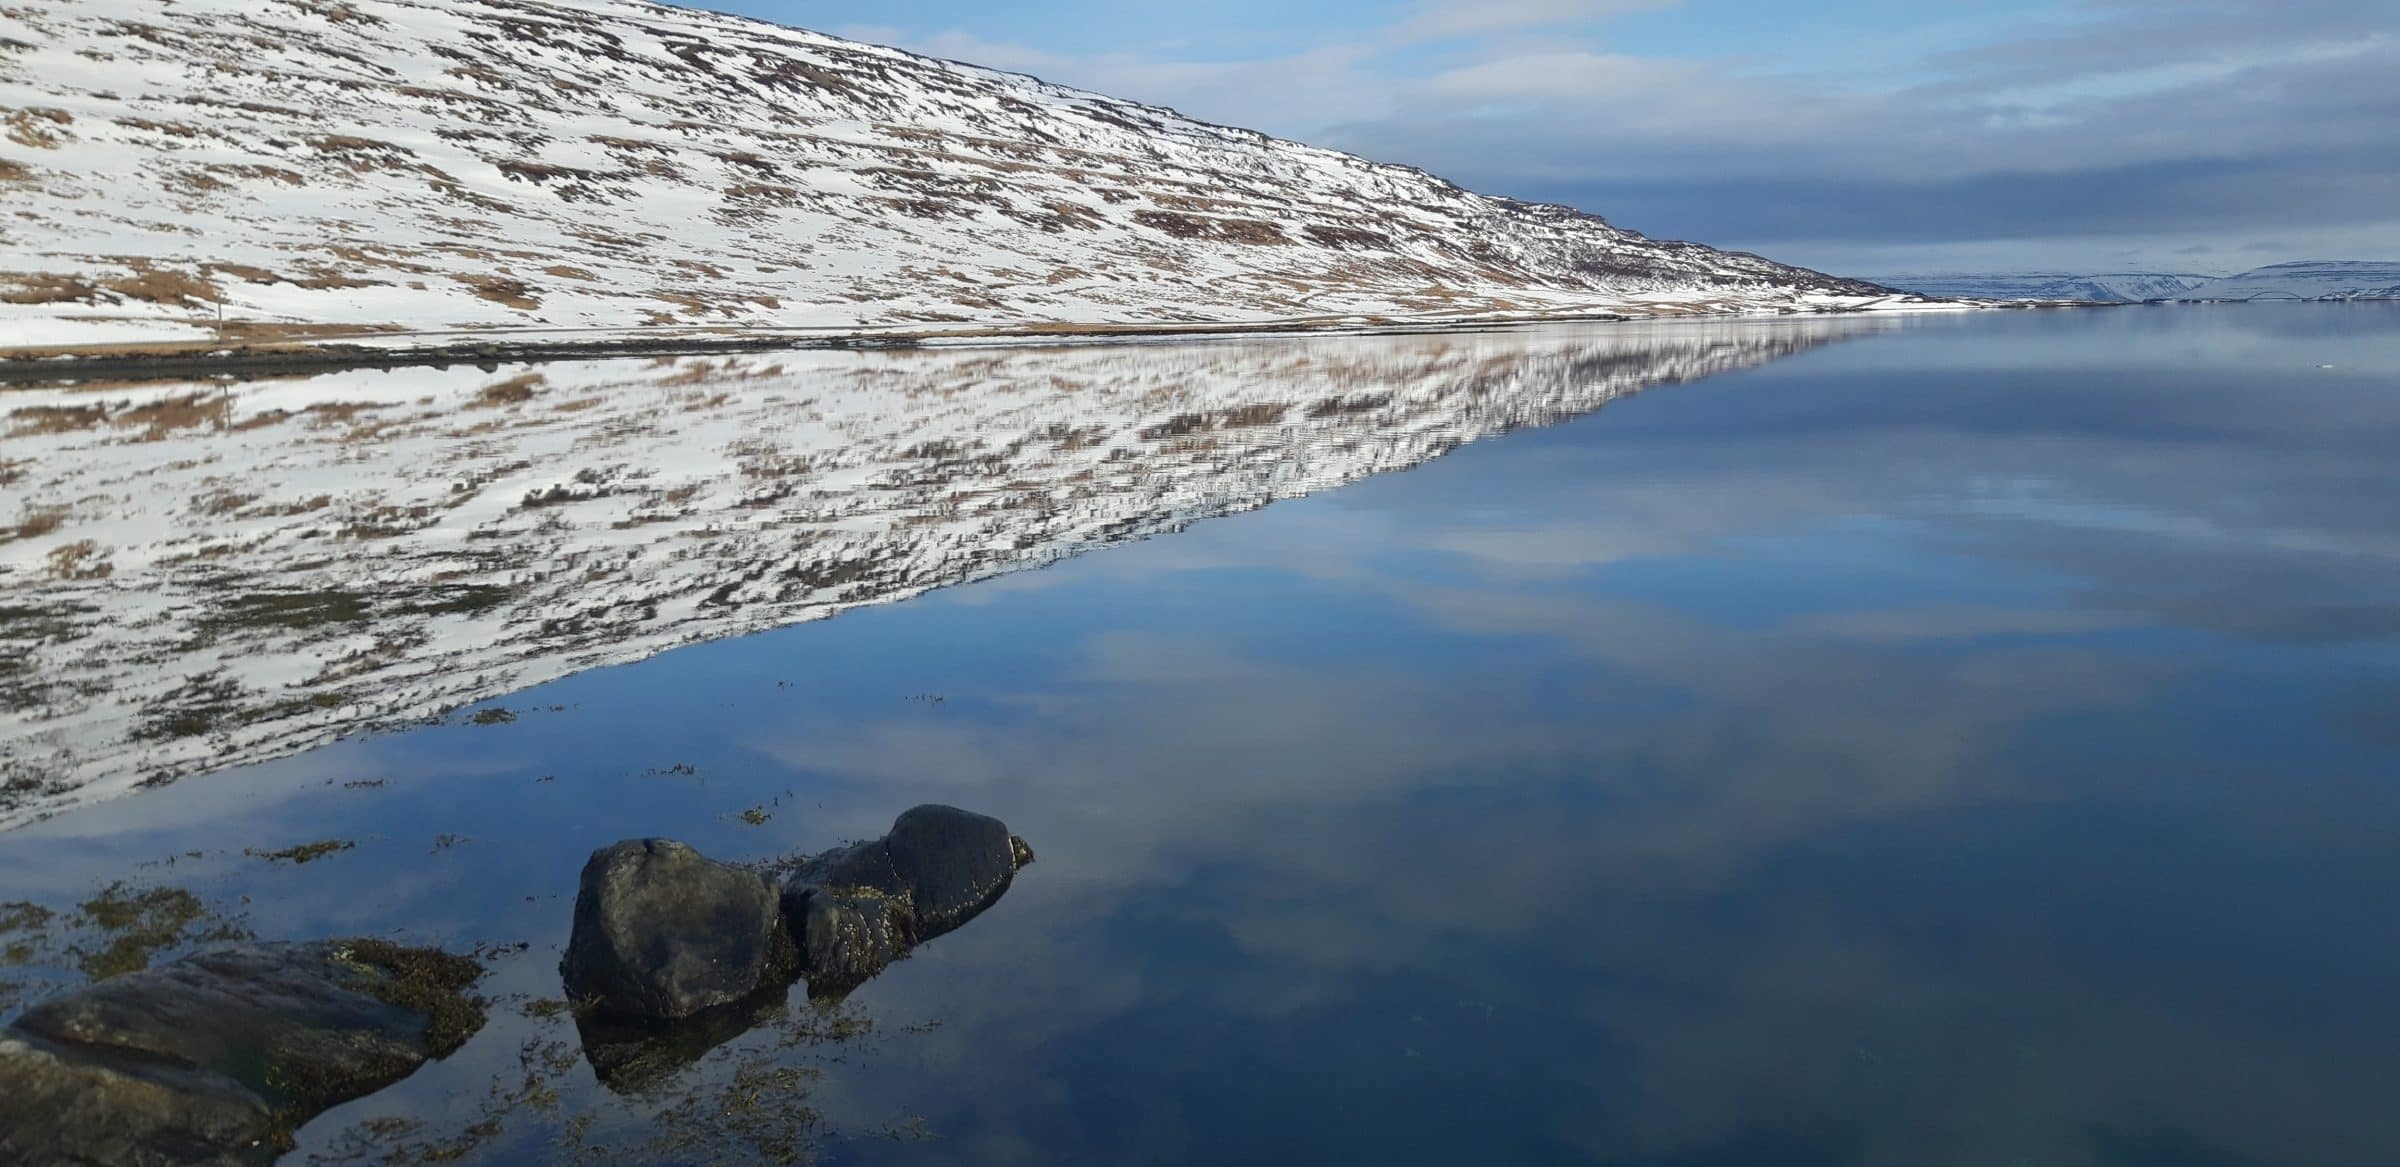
x=37, y=522
x=514, y=391
x=500, y=290
x=34, y=420
x=160, y=418
x=43, y=288
x=41, y=129
x=246, y=273
x=81, y=560
x=1250, y=231
x=152, y=286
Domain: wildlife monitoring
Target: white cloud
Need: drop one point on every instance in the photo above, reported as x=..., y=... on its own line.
x=1445, y=19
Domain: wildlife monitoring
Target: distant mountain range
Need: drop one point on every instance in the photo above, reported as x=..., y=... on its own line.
x=2309, y=280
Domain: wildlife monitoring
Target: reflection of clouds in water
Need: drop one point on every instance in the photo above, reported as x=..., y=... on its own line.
x=1694, y=857
x=288, y=561
x=1718, y=777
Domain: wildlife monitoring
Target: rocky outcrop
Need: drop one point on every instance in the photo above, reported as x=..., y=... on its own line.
x=662, y=932
x=216, y=1058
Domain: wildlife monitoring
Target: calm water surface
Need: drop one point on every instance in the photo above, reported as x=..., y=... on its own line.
x=1966, y=742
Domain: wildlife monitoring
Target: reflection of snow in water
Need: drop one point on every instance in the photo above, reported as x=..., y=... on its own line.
x=201, y=575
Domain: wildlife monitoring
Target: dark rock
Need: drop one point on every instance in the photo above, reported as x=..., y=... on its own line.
x=215, y=1057
x=847, y=934
x=61, y=1107
x=299, y=1025
x=864, y=866
x=662, y=932
x=855, y=909
x=956, y=863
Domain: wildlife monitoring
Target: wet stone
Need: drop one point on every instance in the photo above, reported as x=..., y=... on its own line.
x=662, y=932
x=846, y=935
x=956, y=863
x=216, y=1057
x=58, y=1107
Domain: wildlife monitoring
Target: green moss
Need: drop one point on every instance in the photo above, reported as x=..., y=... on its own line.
x=428, y=981
x=136, y=925
x=19, y=916
x=494, y=716
x=304, y=853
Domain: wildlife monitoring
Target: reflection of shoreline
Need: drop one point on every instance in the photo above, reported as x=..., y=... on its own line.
x=395, y=351
x=204, y=576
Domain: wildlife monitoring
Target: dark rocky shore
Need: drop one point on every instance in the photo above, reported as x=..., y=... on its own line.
x=216, y=1058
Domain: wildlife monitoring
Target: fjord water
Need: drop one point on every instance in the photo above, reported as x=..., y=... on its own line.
x=1963, y=740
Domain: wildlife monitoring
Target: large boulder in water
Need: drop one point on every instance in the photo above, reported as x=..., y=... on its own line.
x=216, y=1057
x=855, y=909
x=662, y=932
x=955, y=863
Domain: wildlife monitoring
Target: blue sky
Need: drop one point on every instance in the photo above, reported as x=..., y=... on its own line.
x=1866, y=136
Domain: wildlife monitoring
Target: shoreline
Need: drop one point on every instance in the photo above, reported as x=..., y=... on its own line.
x=369, y=349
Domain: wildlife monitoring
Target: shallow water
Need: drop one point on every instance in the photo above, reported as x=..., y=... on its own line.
x=1965, y=740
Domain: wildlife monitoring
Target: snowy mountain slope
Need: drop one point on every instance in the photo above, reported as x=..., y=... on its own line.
x=2316, y=280
x=195, y=575
x=2113, y=288
x=309, y=167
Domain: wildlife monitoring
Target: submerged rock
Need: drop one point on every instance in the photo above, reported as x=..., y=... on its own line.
x=215, y=1058
x=662, y=932
x=61, y=1107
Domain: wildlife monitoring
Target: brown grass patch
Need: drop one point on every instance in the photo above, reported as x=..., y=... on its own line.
x=340, y=412
x=81, y=560
x=500, y=290
x=37, y=128
x=151, y=286
x=160, y=418
x=218, y=503
x=15, y=171
x=35, y=420
x=170, y=129
x=514, y=391
x=1256, y=232
x=270, y=173
x=325, y=281
x=244, y=272
x=568, y=271
x=37, y=522
x=43, y=288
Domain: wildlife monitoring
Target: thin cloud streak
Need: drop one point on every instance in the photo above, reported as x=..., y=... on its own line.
x=2140, y=130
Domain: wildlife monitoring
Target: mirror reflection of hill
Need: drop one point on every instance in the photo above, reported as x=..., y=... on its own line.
x=199, y=575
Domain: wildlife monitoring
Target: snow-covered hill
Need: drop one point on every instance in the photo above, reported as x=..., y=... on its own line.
x=2112, y=288
x=195, y=575
x=312, y=167
x=2316, y=280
